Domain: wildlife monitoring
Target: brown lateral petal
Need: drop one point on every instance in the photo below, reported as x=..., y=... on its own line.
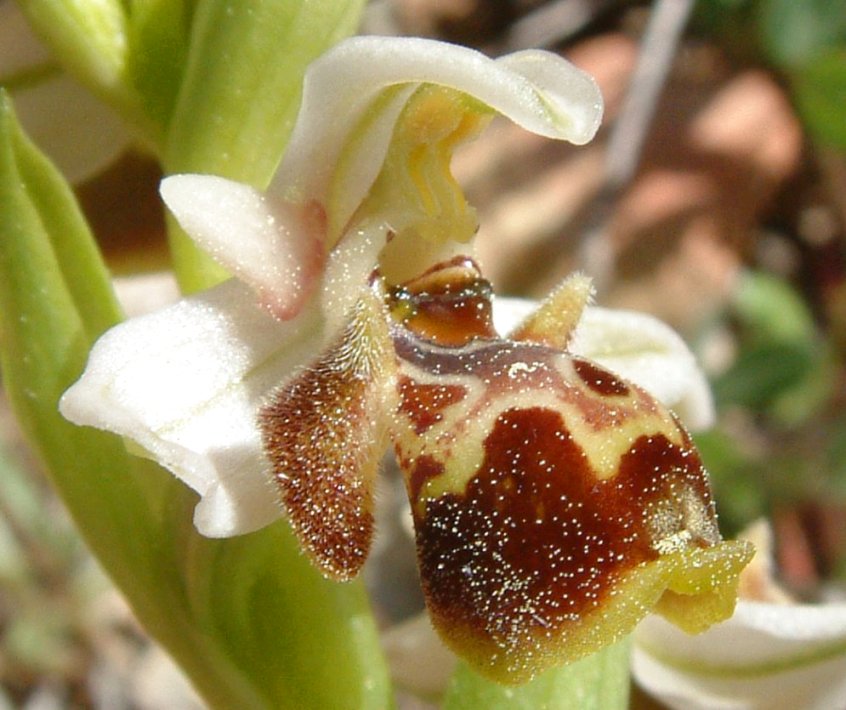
x=325, y=432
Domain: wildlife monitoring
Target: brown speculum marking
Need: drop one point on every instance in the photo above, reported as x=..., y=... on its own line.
x=535, y=541
x=599, y=379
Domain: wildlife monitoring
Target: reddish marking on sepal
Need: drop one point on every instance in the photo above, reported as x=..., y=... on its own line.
x=307, y=255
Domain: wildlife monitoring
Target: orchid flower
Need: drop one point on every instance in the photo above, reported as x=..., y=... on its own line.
x=554, y=502
x=79, y=133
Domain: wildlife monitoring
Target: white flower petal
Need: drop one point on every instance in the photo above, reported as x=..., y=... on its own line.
x=146, y=292
x=352, y=97
x=636, y=346
x=767, y=657
x=269, y=244
x=186, y=384
x=509, y=312
x=570, y=103
x=537, y=90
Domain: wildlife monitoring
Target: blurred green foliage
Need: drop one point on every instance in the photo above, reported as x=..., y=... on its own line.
x=781, y=435
x=803, y=40
x=598, y=682
x=780, y=441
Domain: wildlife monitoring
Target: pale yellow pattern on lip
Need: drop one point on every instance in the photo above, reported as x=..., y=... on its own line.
x=458, y=439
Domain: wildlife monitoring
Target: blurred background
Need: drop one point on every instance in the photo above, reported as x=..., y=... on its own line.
x=714, y=198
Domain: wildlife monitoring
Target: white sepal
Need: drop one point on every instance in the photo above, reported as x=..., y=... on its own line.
x=372, y=77
x=270, y=244
x=186, y=383
x=766, y=657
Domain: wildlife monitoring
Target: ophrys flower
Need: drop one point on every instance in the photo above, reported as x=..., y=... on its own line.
x=554, y=502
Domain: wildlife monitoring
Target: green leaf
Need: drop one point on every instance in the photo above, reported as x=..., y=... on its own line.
x=88, y=35
x=739, y=485
x=55, y=288
x=241, y=93
x=762, y=373
x=306, y=642
x=732, y=22
x=597, y=682
x=53, y=211
x=249, y=620
x=55, y=298
x=795, y=32
x=783, y=367
x=770, y=310
x=819, y=89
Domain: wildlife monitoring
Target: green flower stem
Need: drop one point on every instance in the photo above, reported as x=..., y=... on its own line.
x=240, y=96
x=597, y=682
x=307, y=642
x=250, y=622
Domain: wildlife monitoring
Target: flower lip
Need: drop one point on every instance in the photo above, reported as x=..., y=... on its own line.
x=553, y=503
